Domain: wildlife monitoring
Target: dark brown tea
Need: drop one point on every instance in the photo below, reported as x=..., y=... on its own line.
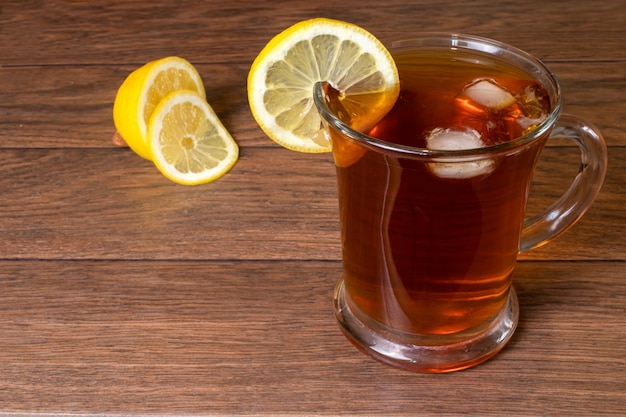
x=429, y=246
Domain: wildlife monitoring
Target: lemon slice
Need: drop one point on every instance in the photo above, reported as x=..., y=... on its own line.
x=350, y=59
x=142, y=91
x=188, y=143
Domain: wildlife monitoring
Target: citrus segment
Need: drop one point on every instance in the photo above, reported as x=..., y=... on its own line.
x=142, y=91
x=188, y=143
x=350, y=59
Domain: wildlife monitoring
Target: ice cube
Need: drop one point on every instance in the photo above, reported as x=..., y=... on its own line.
x=453, y=139
x=533, y=111
x=489, y=94
x=529, y=123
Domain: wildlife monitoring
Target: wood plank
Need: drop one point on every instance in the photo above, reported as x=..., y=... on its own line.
x=260, y=338
x=274, y=204
x=96, y=32
x=72, y=106
x=111, y=204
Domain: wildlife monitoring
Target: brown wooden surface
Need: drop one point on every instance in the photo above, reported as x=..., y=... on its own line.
x=122, y=293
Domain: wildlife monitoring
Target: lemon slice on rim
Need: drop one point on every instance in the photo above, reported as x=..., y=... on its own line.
x=188, y=143
x=142, y=91
x=350, y=59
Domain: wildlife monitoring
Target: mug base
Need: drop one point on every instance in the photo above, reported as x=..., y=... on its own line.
x=427, y=353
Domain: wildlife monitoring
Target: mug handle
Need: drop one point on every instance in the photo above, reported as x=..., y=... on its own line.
x=567, y=210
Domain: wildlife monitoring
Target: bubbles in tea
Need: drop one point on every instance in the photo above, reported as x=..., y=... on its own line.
x=429, y=247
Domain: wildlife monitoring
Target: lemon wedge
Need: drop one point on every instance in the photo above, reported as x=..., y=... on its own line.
x=142, y=91
x=188, y=143
x=350, y=59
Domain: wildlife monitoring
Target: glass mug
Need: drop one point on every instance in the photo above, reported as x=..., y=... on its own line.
x=432, y=199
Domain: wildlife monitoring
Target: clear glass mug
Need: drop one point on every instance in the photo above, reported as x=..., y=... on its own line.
x=430, y=238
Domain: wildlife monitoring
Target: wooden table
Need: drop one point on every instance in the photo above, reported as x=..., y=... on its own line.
x=123, y=293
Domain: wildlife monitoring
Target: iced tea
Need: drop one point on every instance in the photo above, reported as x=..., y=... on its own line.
x=429, y=246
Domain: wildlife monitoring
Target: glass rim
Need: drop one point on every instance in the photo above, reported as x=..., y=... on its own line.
x=453, y=40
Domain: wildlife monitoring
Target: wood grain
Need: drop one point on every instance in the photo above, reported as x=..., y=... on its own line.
x=260, y=337
x=72, y=105
x=125, y=294
x=274, y=204
x=108, y=32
